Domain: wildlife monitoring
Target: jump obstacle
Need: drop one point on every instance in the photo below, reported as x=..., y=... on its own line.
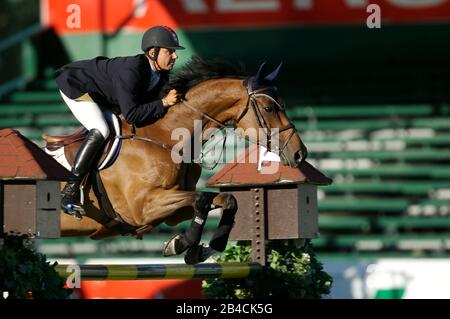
x=161, y=271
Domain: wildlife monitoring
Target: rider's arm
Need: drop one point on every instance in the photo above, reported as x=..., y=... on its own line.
x=127, y=84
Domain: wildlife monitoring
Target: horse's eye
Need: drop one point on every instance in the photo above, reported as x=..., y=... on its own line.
x=268, y=109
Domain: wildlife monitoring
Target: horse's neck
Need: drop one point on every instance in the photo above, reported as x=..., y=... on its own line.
x=213, y=97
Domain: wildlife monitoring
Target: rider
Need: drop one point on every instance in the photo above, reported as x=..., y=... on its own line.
x=131, y=85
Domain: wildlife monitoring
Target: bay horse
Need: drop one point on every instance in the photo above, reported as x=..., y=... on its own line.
x=146, y=187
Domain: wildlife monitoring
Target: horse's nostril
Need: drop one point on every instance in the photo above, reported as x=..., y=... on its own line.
x=298, y=157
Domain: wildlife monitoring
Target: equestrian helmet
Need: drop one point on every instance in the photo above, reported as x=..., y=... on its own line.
x=162, y=37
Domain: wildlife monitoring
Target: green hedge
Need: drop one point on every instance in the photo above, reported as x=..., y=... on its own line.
x=25, y=273
x=293, y=272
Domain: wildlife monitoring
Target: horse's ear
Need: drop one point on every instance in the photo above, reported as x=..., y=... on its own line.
x=272, y=76
x=259, y=75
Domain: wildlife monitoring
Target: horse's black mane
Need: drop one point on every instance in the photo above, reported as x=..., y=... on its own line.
x=198, y=70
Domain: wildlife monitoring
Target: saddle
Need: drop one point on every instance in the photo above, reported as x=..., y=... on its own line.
x=57, y=143
x=63, y=148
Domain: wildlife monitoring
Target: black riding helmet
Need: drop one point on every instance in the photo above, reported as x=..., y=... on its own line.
x=160, y=37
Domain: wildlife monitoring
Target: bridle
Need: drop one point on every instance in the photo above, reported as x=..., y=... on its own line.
x=252, y=100
x=253, y=95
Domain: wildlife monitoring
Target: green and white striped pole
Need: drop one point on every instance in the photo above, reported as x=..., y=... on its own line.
x=161, y=271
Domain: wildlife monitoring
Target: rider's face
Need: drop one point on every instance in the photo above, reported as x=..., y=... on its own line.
x=166, y=58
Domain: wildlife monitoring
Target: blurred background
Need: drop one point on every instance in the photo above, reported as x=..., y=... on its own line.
x=372, y=106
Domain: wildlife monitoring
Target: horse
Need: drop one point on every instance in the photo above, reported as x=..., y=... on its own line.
x=146, y=187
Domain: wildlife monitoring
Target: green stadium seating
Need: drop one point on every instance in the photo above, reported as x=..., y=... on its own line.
x=20, y=109
x=344, y=204
x=35, y=97
x=436, y=123
x=360, y=111
x=386, y=241
x=437, y=140
x=435, y=202
x=392, y=187
x=395, y=170
x=416, y=222
x=60, y=120
x=335, y=125
x=328, y=143
x=354, y=223
x=405, y=155
x=15, y=122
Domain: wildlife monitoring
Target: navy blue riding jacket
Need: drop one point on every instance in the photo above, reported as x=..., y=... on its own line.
x=121, y=84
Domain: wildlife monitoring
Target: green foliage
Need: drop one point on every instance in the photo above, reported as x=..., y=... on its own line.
x=292, y=272
x=25, y=273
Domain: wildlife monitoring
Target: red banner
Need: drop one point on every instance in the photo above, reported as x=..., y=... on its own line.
x=87, y=16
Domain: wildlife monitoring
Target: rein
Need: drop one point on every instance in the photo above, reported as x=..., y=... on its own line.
x=134, y=136
x=253, y=95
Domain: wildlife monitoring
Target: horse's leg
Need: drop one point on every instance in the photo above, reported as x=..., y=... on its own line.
x=191, y=238
x=218, y=243
x=229, y=206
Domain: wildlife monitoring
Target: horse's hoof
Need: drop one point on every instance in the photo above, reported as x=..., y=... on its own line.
x=174, y=246
x=170, y=246
x=198, y=254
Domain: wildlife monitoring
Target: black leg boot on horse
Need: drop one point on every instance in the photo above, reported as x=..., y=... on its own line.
x=191, y=238
x=86, y=155
x=200, y=253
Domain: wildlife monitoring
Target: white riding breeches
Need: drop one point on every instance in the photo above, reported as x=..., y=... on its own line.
x=88, y=113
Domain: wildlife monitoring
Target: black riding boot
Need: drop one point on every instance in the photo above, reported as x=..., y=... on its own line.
x=70, y=196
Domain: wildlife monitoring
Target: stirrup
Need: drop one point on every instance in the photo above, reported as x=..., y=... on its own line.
x=75, y=213
x=74, y=210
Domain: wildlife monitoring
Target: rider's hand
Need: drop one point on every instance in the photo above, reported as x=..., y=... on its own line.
x=170, y=99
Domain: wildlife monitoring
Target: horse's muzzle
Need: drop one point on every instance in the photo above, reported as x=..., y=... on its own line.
x=294, y=159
